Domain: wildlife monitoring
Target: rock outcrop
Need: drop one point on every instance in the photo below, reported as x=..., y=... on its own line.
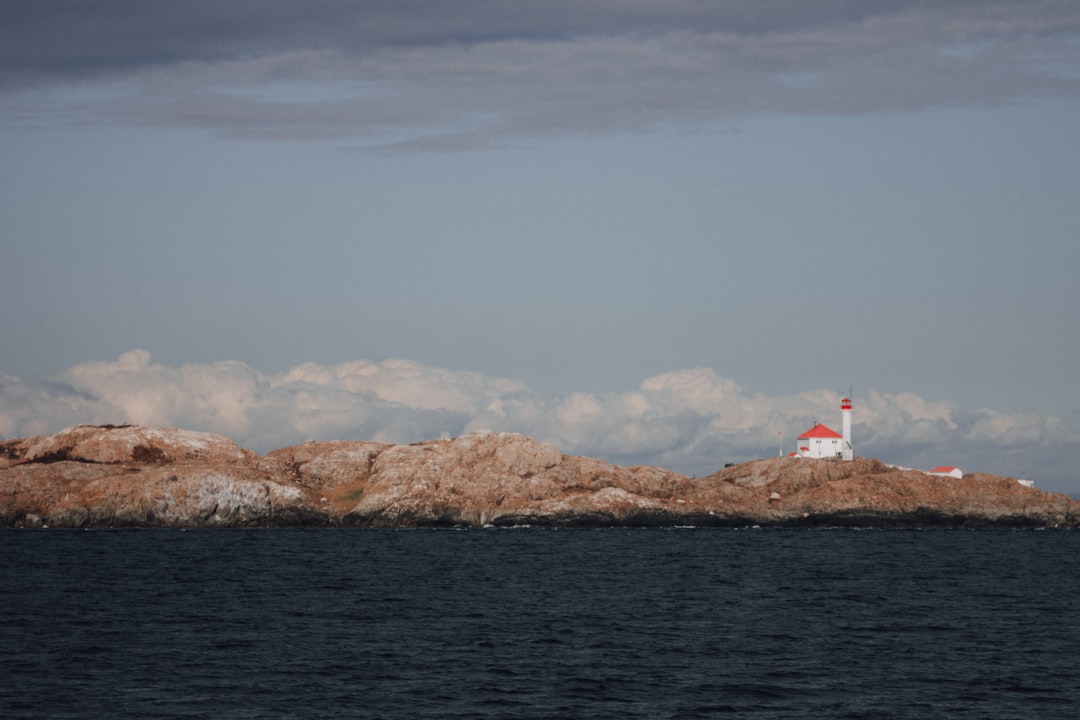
x=130, y=475
x=140, y=476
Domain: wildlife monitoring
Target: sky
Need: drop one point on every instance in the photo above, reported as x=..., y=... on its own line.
x=671, y=233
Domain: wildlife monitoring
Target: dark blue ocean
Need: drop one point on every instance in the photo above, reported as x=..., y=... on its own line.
x=535, y=623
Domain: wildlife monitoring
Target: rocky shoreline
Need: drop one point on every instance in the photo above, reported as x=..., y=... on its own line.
x=136, y=476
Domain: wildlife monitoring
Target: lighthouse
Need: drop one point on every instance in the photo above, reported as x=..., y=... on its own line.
x=820, y=442
x=846, y=450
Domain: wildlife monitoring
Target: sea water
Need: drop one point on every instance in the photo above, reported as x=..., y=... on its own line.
x=539, y=623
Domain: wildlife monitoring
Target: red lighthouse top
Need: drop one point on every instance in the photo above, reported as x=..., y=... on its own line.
x=845, y=404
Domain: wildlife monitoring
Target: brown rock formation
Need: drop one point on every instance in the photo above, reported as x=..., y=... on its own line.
x=130, y=475
x=138, y=476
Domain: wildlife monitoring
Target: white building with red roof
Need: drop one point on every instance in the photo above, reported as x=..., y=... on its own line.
x=823, y=442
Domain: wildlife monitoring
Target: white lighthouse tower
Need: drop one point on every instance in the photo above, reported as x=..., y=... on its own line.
x=845, y=414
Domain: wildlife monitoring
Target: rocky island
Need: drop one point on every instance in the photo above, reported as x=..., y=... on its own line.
x=136, y=476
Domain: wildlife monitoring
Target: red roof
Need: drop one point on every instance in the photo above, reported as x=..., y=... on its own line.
x=820, y=431
x=945, y=468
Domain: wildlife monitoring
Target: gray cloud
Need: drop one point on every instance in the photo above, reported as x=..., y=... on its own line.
x=419, y=75
x=690, y=420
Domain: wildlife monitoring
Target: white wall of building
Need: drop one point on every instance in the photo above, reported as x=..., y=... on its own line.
x=818, y=448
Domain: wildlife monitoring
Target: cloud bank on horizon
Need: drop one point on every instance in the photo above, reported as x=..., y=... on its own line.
x=689, y=420
x=410, y=75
